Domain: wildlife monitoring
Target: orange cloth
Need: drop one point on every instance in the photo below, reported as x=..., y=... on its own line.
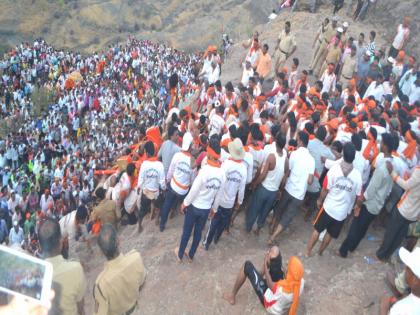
x=212, y=153
x=225, y=142
x=69, y=84
x=371, y=146
x=172, y=100
x=410, y=150
x=264, y=65
x=311, y=136
x=210, y=90
x=153, y=134
x=292, y=283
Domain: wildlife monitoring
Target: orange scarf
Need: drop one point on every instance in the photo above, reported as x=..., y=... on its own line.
x=410, y=150
x=311, y=136
x=371, y=146
x=292, y=282
x=212, y=153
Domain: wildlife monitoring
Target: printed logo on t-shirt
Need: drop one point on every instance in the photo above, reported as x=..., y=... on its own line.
x=234, y=176
x=213, y=183
x=344, y=183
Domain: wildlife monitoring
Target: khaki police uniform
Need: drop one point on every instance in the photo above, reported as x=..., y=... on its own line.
x=287, y=42
x=117, y=286
x=71, y=281
x=333, y=56
x=318, y=43
x=323, y=49
x=348, y=70
x=106, y=212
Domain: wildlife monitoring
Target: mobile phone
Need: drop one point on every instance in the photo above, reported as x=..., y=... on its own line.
x=24, y=275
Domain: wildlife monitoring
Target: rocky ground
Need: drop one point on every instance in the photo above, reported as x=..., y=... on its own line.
x=332, y=285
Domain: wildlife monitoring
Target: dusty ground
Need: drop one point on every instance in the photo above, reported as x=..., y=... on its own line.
x=332, y=285
x=304, y=27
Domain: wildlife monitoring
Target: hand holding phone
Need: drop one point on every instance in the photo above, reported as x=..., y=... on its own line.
x=25, y=277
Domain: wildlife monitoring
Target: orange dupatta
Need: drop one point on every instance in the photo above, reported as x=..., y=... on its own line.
x=292, y=282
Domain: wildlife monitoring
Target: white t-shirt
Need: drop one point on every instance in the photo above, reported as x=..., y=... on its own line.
x=342, y=191
x=301, y=165
x=407, y=306
x=279, y=302
x=402, y=33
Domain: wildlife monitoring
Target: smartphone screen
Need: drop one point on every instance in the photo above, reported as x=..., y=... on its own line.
x=24, y=275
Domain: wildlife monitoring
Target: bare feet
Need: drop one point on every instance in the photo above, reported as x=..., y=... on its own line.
x=179, y=260
x=257, y=232
x=390, y=281
x=270, y=242
x=337, y=253
x=139, y=229
x=188, y=257
x=308, y=254
x=229, y=297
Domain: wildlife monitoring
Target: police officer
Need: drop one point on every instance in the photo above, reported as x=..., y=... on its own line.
x=117, y=286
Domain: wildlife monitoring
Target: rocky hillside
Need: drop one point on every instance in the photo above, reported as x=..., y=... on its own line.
x=89, y=25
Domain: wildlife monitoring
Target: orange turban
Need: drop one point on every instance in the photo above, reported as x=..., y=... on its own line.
x=401, y=54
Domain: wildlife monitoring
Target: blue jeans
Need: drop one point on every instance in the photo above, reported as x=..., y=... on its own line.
x=219, y=223
x=194, y=218
x=261, y=204
x=171, y=200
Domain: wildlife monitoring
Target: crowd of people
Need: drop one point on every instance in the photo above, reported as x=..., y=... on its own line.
x=145, y=129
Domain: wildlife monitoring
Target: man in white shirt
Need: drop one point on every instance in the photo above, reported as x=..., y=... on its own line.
x=199, y=201
x=299, y=175
x=268, y=183
x=16, y=236
x=151, y=180
x=217, y=123
x=411, y=303
x=376, y=89
x=342, y=184
x=401, y=37
x=233, y=190
x=328, y=79
x=46, y=201
x=179, y=178
x=247, y=73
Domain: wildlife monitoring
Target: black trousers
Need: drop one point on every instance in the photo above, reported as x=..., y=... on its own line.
x=396, y=231
x=338, y=4
x=357, y=231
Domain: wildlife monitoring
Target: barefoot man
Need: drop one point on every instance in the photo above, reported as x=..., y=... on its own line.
x=276, y=291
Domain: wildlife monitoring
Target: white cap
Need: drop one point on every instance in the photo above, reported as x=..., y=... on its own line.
x=186, y=141
x=368, y=53
x=236, y=149
x=411, y=259
x=335, y=18
x=391, y=60
x=15, y=223
x=340, y=29
x=345, y=24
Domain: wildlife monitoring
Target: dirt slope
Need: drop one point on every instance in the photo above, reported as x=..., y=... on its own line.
x=89, y=25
